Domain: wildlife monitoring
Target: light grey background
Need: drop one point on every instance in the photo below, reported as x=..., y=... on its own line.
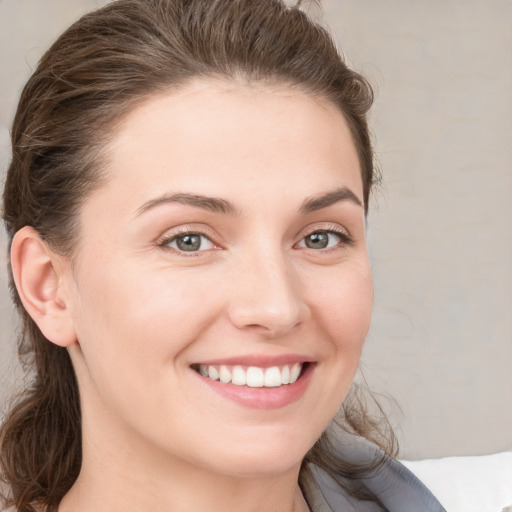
x=440, y=237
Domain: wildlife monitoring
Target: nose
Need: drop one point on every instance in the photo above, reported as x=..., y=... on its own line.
x=266, y=297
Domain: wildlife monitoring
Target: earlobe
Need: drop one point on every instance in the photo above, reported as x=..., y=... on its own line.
x=40, y=284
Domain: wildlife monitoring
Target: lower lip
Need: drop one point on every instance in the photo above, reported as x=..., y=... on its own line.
x=262, y=398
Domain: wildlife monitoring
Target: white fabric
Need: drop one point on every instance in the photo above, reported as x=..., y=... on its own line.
x=468, y=484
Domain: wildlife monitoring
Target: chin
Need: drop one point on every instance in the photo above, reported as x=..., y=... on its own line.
x=258, y=466
x=263, y=456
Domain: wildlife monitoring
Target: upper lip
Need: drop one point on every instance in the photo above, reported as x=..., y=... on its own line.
x=259, y=360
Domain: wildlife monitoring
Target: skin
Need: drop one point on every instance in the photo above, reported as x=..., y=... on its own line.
x=135, y=312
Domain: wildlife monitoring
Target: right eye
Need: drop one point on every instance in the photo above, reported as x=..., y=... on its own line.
x=188, y=242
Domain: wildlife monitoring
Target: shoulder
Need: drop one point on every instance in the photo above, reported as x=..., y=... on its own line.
x=392, y=486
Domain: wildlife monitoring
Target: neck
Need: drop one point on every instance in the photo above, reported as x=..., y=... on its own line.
x=123, y=473
x=135, y=489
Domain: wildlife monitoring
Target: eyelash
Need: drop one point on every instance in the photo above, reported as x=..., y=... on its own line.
x=165, y=242
x=344, y=240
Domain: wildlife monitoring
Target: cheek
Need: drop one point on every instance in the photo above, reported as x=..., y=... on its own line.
x=137, y=316
x=343, y=304
x=132, y=329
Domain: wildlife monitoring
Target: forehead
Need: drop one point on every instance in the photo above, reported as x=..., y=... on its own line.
x=217, y=138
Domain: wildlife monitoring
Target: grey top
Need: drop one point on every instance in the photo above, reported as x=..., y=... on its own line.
x=393, y=484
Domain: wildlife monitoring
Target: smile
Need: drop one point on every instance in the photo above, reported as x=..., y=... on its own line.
x=258, y=381
x=252, y=376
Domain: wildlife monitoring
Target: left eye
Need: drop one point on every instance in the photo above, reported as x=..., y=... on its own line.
x=189, y=242
x=321, y=240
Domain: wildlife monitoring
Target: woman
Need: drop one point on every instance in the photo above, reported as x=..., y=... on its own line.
x=186, y=207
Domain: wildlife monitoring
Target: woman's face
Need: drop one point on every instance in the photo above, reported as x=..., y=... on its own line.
x=228, y=242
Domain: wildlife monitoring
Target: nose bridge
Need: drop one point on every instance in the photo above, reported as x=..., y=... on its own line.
x=266, y=295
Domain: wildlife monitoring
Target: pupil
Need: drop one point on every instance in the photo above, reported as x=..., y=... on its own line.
x=189, y=242
x=317, y=240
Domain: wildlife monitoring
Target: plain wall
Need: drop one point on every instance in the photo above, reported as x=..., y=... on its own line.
x=439, y=229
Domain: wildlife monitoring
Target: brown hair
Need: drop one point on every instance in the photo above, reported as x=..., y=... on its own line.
x=93, y=75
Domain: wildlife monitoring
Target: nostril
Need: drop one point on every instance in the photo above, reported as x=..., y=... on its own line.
x=270, y=328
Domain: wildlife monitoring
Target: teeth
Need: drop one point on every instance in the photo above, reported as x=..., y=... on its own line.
x=253, y=376
x=285, y=375
x=224, y=375
x=295, y=372
x=213, y=373
x=272, y=377
x=239, y=377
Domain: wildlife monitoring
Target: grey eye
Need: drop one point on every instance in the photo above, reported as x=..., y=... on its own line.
x=190, y=242
x=320, y=240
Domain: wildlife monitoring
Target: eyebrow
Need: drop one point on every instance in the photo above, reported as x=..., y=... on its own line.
x=323, y=201
x=211, y=204
x=218, y=205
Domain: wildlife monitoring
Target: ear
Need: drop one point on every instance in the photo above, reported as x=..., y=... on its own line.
x=40, y=278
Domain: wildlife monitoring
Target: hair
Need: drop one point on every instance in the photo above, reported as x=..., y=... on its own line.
x=93, y=75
